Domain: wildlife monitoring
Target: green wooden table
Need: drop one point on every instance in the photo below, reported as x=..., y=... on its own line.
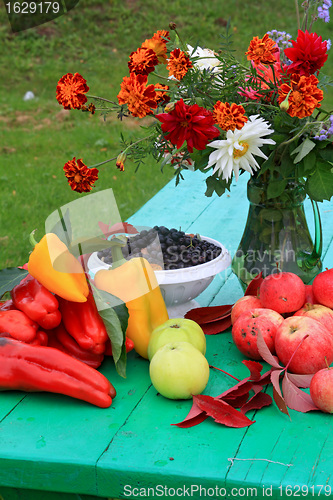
x=54, y=447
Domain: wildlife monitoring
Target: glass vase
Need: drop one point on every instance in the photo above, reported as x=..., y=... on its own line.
x=276, y=235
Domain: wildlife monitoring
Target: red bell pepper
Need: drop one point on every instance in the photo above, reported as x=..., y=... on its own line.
x=83, y=322
x=37, y=302
x=18, y=325
x=7, y=306
x=61, y=339
x=41, y=368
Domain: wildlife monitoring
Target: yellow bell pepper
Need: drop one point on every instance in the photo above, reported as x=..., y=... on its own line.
x=134, y=282
x=57, y=269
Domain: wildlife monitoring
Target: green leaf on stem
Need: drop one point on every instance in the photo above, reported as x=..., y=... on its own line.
x=115, y=318
x=303, y=149
x=319, y=186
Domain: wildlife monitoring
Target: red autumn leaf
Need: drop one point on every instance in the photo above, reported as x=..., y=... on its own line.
x=295, y=398
x=265, y=378
x=237, y=401
x=300, y=380
x=258, y=401
x=237, y=395
x=265, y=353
x=222, y=412
x=277, y=395
x=254, y=285
x=216, y=327
x=194, y=417
x=202, y=315
x=255, y=368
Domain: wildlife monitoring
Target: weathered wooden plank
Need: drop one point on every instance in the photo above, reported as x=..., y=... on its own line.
x=286, y=452
x=22, y=494
x=149, y=451
x=8, y=401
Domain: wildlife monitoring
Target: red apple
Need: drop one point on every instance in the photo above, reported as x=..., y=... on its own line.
x=243, y=304
x=309, y=297
x=311, y=353
x=283, y=292
x=246, y=327
x=322, y=287
x=321, y=313
x=321, y=389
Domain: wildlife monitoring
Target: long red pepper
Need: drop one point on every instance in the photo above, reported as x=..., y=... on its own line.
x=40, y=368
x=61, y=339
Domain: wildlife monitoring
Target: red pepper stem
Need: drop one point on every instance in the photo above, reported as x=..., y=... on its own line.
x=32, y=240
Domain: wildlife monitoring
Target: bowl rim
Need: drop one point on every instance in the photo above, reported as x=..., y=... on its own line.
x=183, y=275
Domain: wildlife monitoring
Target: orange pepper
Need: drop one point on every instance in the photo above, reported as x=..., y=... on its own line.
x=52, y=264
x=134, y=282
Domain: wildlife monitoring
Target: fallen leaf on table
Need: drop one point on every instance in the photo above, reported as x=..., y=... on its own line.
x=202, y=315
x=222, y=412
x=215, y=327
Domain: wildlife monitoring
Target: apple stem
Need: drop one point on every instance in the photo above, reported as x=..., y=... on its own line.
x=293, y=354
x=328, y=366
x=215, y=368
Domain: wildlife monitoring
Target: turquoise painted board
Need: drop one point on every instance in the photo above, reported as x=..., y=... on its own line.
x=167, y=455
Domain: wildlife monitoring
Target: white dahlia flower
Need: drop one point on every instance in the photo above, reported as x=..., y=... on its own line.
x=237, y=150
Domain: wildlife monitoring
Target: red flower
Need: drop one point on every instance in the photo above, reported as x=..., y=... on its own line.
x=142, y=61
x=80, y=177
x=188, y=123
x=70, y=91
x=308, y=54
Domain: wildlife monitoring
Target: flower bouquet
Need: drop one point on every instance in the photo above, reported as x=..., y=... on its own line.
x=265, y=115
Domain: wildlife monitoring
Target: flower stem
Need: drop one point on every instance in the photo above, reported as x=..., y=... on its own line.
x=102, y=162
x=101, y=99
x=297, y=15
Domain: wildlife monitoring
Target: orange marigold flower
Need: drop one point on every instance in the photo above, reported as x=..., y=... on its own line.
x=70, y=91
x=139, y=97
x=179, y=63
x=262, y=50
x=229, y=117
x=142, y=61
x=304, y=96
x=158, y=44
x=80, y=177
x=162, y=96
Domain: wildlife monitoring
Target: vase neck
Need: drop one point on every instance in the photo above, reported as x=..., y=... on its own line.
x=261, y=192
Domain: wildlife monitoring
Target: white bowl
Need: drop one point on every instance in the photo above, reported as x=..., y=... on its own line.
x=179, y=286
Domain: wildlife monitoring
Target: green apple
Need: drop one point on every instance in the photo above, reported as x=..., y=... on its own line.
x=179, y=370
x=177, y=330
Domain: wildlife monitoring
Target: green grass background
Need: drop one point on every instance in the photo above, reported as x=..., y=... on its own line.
x=95, y=39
